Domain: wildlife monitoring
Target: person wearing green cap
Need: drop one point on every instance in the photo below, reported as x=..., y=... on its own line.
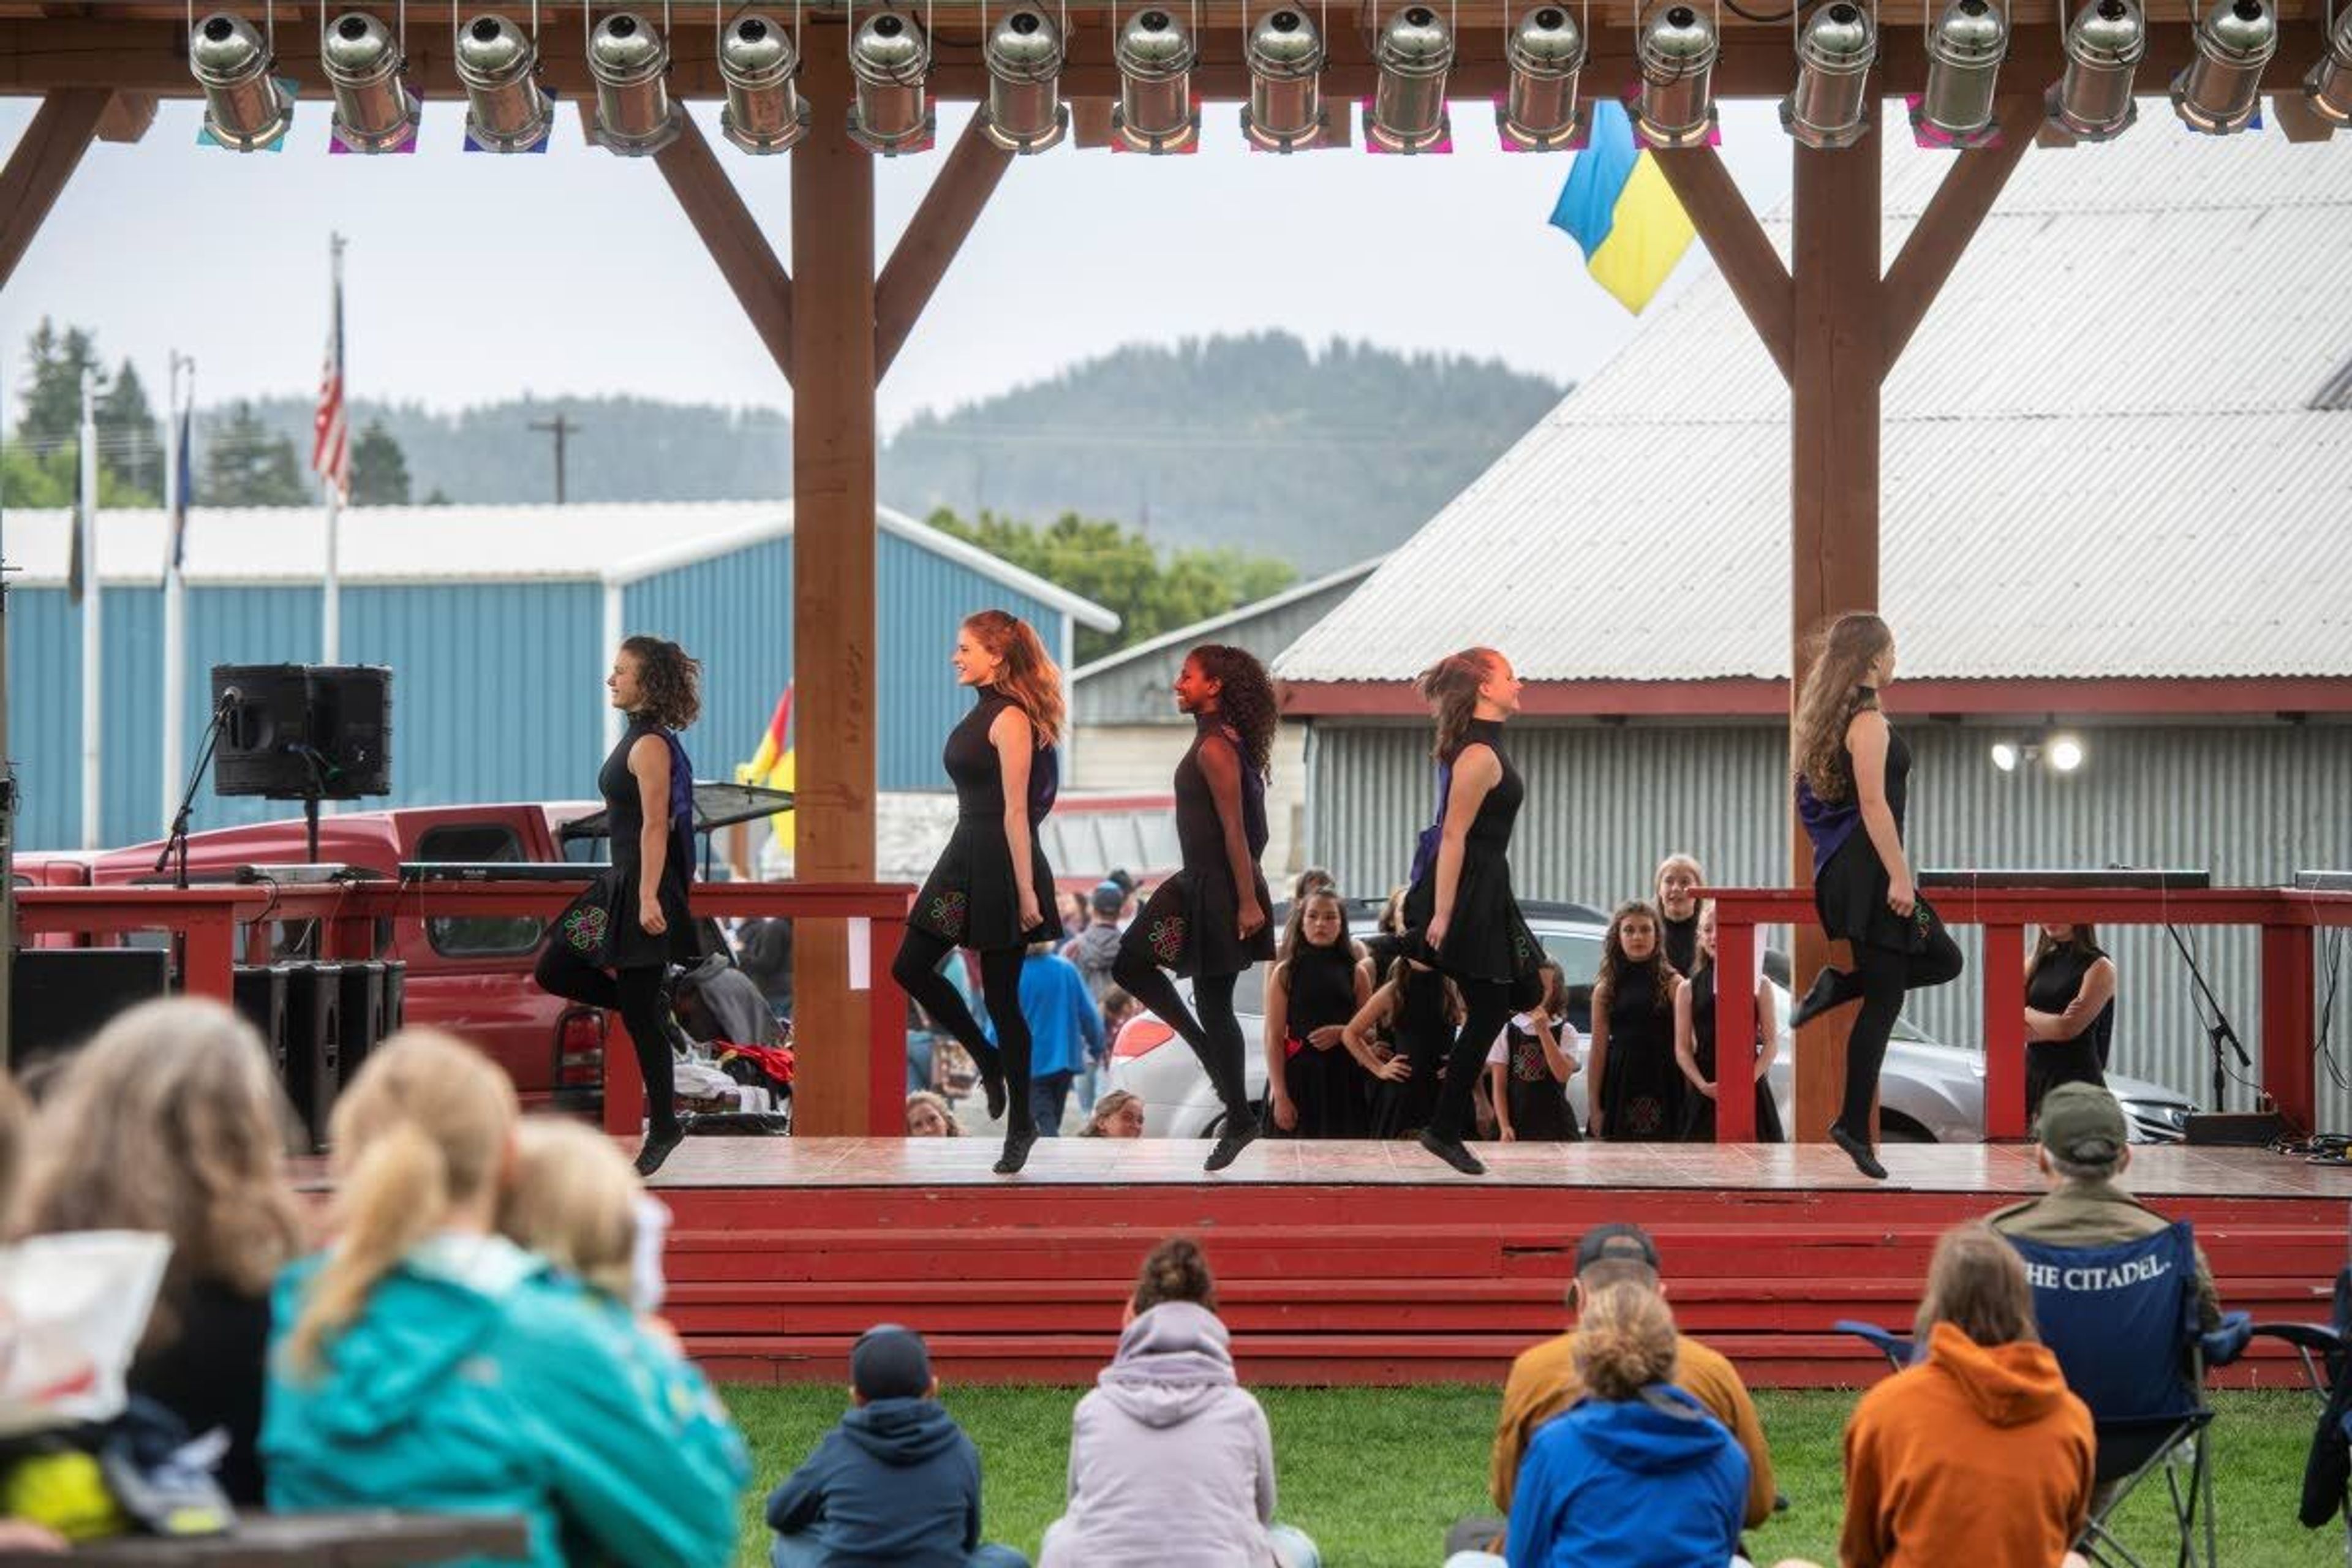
x=2085, y=1147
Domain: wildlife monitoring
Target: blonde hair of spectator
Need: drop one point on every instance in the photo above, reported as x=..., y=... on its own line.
x=574, y=1201
x=1625, y=1341
x=1977, y=1283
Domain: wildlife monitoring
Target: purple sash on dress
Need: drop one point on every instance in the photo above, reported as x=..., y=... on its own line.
x=1828, y=824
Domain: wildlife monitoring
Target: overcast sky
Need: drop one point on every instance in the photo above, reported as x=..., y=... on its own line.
x=471, y=277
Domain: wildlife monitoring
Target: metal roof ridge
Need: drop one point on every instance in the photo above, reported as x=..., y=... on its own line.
x=1289, y=595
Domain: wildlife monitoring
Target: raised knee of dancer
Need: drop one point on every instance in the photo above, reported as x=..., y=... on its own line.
x=1130, y=969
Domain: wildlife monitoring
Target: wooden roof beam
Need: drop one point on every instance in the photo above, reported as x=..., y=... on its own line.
x=957, y=195
x=1937, y=241
x=46, y=157
x=1737, y=241
x=732, y=236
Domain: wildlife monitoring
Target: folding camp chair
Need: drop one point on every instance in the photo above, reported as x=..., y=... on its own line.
x=2326, y=1351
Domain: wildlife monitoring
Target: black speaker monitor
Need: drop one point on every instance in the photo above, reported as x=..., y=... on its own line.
x=295, y=732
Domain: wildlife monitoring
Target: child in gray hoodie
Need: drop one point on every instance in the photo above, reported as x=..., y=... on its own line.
x=1170, y=1460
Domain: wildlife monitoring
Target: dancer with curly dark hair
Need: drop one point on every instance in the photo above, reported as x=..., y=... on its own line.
x=1209, y=920
x=1635, y=1088
x=619, y=959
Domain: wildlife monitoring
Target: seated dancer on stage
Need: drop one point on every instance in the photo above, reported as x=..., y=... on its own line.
x=1852, y=778
x=988, y=891
x=2070, y=1012
x=1529, y=1066
x=1635, y=1091
x=614, y=946
x=1460, y=910
x=1419, y=1009
x=1209, y=920
x=1695, y=1042
x=1315, y=1086
x=1676, y=886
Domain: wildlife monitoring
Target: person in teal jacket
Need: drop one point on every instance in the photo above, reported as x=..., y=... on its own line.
x=424, y=1362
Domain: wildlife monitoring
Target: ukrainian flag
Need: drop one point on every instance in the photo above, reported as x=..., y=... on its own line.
x=1619, y=207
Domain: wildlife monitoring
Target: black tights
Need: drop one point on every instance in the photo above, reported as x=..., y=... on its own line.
x=917, y=971
x=1215, y=1036
x=1487, y=1007
x=1886, y=975
x=635, y=994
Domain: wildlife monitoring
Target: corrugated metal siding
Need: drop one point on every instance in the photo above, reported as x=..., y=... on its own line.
x=734, y=613
x=2252, y=805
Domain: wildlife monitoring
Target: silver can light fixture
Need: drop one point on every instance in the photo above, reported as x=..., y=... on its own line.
x=890, y=61
x=246, y=109
x=1545, y=51
x=759, y=62
x=1024, y=112
x=2218, y=92
x=2093, y=101
x=1155, y=52
x=1829, y=106
x=1965, y=49
x=2328, y=88
x=629, y=62
x=1283, y=51
x=1676, y=52
x=506, y=111
x=374, y=111
x=1413, y=55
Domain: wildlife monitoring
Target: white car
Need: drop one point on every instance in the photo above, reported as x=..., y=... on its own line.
x=1929, y=1093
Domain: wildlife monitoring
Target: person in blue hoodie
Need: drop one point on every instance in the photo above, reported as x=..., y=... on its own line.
x=1636, y=1475
x=896, y=1485
x=425, y=1361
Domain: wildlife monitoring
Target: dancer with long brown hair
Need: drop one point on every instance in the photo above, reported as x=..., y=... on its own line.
x=1209, y=920
x=1852, y=786
x=1460, y=910
x=990, y=889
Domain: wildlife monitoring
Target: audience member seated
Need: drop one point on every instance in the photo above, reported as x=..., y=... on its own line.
x=1172, y=1462
x=578, y=1202
x=16, y=1128
x=425, y=1361
x=170, y=1121
x=2085, y=1147
x=1976, y=1455
x=896, y=1484
x=1118, y=1114
x=927, y=1116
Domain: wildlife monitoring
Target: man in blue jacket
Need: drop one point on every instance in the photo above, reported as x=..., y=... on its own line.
x=896, y=1485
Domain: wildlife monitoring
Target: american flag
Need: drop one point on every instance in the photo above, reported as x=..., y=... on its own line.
x=331, y=435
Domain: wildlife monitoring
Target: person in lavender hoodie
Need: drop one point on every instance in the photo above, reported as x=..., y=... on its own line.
x=1170, y=1460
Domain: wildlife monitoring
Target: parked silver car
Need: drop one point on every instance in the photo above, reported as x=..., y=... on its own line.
x=1930, y=1092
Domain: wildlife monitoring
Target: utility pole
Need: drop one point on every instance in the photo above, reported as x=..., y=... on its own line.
x=562, y=428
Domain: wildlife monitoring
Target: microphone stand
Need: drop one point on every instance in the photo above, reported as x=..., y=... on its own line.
x=175, y=843
x=2218, y=1033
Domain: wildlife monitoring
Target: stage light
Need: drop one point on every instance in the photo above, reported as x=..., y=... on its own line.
x=1414, y=51
x=764, y=112
x=1155, y=54
x=1964, y=55
x=1546, y=52
x=1024, y=112
x=245, y=109
x=362, y=62
x=2329, y=86
x=2004, y=756
x=1285, y=55
x=2218, y=92
x=1829, y=106
x=629, y=61
x=1676, y=52
x=505, y=109
x=2093, y=101
x=2065, y=753
x=890, y=57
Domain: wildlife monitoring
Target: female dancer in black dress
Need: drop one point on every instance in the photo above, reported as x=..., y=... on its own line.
x=2070, y=1012
x=1636, y=1090
x=1315, y=1086
x=1853, y=779
x=1695, y=1041
x=648, y=789
x=1460, y=905
x=991, y=891
x=1209, y=920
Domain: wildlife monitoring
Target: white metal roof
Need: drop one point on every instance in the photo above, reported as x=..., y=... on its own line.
x=613, y=542
x=2100, y=456
x=1200, y=631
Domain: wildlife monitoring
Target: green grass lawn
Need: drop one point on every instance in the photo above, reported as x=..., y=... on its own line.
x=1377, y=1475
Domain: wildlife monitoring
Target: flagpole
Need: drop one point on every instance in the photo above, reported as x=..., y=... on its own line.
x=331, y=610
x=175, y=588
x=92, y=632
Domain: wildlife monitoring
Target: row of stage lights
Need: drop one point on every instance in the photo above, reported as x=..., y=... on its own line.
x=249, y=108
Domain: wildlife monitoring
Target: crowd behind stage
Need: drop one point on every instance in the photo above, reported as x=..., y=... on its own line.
x=1355, y=1034
x=473, y=1323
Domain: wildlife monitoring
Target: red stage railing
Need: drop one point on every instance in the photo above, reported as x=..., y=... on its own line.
x=2288, y=918
x=208, y=919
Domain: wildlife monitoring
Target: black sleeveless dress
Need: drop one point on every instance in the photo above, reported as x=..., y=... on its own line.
x=1188, y=925
x=1698, y=1111
x=2049, y=1063
x=971, y=897
x=633, y=946
x=1330, y=1090
x=1642, y=1095
x=1487, y=939
x=1680, y=940
x=1538, y=1103
x=1850, y=882
x=1423, y=1031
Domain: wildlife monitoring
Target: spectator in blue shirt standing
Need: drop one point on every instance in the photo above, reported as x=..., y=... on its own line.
x=1065, y=1027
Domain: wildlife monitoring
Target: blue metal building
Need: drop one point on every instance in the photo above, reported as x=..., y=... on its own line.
x=499, y=623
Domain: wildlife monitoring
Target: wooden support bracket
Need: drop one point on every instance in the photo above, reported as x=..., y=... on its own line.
x=1970, y=187
x=921, y=258
x=732, y=237
x=1737, y=242
x=51, y=150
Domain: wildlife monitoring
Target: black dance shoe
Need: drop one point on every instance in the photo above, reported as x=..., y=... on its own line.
x=1452, y=1151
x=1830, y=988
x=992, y=1084
x=660, y=1143
x=1858, y=1152
x=1239, y=1134
x=1017, y=1144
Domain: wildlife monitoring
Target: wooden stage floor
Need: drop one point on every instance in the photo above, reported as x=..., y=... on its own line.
x=1374, y=1263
